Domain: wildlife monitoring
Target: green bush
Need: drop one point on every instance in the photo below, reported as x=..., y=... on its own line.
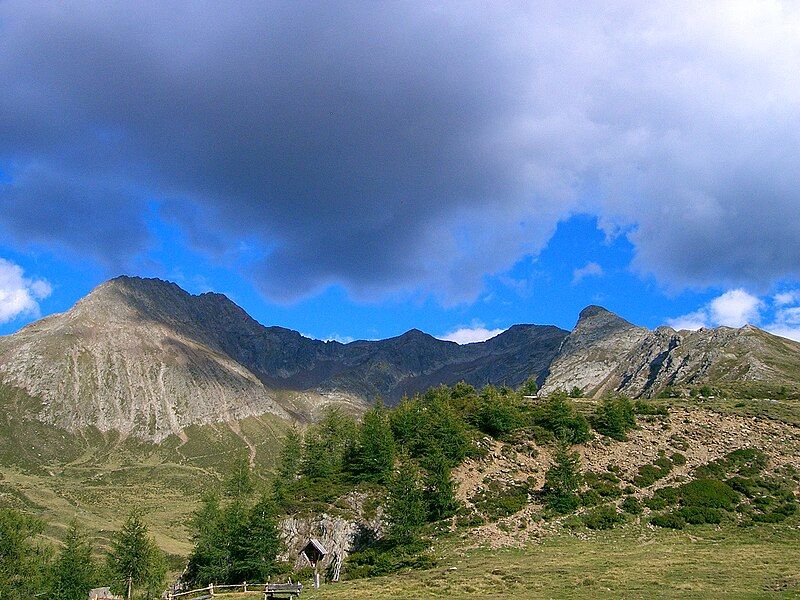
x=696, y=515
x=669, y=494
x=614, y=418
x=385, y=557
x=668, y=520
x=557, y=418
x=649, y=474
x=604, y=484
x=745, y=462
x=631, y=505
x=708, y=493
x=663, y=463
x=655, y=503
x=498, y=414
x=602, y=517
x=678, y=459
x=497, y=501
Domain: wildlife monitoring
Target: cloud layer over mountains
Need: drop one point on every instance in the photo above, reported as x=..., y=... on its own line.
x=406, y=147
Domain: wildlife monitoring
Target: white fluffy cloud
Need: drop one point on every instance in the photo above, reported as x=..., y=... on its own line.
x=786, y=298
x=734, y=308
x=779, y=315
x=467, y=335
x=19, y=295
x=591, y=269
x=787, y=320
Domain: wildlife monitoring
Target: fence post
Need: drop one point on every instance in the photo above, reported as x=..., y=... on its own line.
x=245, y=587
x=211, y=589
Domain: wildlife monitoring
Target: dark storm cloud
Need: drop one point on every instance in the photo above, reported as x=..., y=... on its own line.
x=403, y=147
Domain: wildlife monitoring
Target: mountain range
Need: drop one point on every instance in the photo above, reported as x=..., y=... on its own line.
x=148, y=359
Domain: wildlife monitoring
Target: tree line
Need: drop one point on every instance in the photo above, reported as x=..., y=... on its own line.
x=133, y=564
x=402, y=457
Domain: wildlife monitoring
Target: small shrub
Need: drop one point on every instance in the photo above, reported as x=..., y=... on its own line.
x=678, y=459
x=655, y=503
x=631, y=505
x=590, y=498
x=605, y=484
x=649, y=474
x=663, y=463
x=679, y=442
x=708, y=493
x=668, y=521
x=602, y=518
x=696, y=515
x=496, y=502
x=670, y=495
x=572, y=522
x=646, y=409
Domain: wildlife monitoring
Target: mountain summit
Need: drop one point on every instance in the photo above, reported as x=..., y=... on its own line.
x=146, y=358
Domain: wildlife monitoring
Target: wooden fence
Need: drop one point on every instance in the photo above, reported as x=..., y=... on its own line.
x=271, y=591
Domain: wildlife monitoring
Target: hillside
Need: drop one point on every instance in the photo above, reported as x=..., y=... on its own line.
x=605, y=353
x=145, y=358
x=142, y=357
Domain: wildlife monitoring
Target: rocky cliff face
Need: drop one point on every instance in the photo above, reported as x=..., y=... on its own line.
x=605, y=353
x=591, y=355
x=146, y=358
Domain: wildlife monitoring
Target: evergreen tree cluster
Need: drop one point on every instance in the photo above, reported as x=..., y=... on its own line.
x=236, y=537
x=28, y=568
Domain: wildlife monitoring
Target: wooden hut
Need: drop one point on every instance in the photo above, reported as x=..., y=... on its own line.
x=314, y=552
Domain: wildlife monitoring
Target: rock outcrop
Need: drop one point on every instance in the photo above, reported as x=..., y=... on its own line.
x=605, y=353
x=591, y=355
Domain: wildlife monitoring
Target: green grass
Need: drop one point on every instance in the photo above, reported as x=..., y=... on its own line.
x=98, y=478
x=631, y=562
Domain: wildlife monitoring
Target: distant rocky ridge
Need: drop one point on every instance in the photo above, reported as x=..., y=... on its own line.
x=146, y=358
x=605, y=353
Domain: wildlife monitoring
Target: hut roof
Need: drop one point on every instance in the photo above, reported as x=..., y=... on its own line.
x=314, y=548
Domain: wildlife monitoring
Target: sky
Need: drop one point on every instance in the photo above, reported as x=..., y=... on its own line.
x=353, y=170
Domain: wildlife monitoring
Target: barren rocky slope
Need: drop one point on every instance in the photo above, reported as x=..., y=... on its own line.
x=605, y=353
x=144, y=357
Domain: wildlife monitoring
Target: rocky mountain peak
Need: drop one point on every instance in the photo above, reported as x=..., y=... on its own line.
x=594, y=317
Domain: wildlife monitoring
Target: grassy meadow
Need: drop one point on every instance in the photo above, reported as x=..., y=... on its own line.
x=631, y=562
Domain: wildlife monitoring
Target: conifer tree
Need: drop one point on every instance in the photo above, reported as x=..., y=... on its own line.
x=529, y=388
x=288, y=466
x=374, y=454
x=254, y=554
x=240, y=482
x=208, y=561
x=406, y=504
x=563, y=480
x=21, y=560
x=135, y=559
x=326, y=445
x=439, y=487
x=74, y=572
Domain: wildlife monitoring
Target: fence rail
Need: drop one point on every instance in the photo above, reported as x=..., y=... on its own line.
x=270, y=590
